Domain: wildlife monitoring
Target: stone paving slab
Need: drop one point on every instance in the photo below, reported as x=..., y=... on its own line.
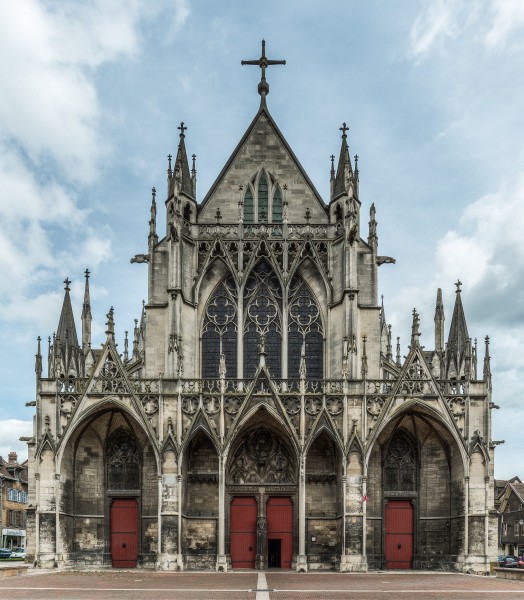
x=253, y=585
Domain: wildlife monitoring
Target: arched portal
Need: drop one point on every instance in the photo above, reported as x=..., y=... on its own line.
x=261, y=491
x=106, y=467
x=415, y=494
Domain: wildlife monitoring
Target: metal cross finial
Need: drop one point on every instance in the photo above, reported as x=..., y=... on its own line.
x=343, y=129
x=263, y=63
x=458, y=284
x=87, y=272
x=182, y=129
x=67, y=283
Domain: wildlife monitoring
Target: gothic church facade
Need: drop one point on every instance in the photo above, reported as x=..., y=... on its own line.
x=261, y=415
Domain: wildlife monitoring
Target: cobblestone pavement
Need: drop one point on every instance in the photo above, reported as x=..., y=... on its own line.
x=270, y=585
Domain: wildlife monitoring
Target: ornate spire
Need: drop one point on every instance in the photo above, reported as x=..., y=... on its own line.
x=344, y=170
x=372, y=237
x=182, y=164
x=153, y=237
x=86, y=315
x=38, y=359
x=457, y=339
x=439, y=322
x=126, y=347
x=193, y=175
x=415, y=332
x=398, y=352
x=66, y=348
x=389, y=349
x=487, y=362
x=110, y=331
x=302, y=371
x=263, y=63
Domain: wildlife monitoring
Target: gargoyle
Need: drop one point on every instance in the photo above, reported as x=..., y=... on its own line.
x=385, y=260
x=140, y=258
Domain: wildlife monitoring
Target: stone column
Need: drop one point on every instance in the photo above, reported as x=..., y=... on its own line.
x=221, y=558
x=261, y=560
x=302, y=558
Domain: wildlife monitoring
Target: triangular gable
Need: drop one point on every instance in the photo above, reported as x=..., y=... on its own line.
x=323, y=421
x=248, y=152
x=417, y=384
x=110, y=382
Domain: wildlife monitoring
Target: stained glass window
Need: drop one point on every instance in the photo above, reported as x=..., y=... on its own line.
x=262, y=316
x=305, y=331
x=277, y=206
x=219, y=333
x=123, y=462
x=400, y=466
x=248, y=207
x=262, y=199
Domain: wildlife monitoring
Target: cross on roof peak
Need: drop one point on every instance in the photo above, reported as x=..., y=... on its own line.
x=343, y=129
x=67, y=283
x=263, y=62
x=182, y=128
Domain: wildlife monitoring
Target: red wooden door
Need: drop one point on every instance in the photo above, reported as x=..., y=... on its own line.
x=399, y=534
x=243, y=532
x=124, y=532
x=280, y=527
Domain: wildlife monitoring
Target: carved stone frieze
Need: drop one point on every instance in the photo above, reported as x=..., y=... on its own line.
x=150, y=404
x=334, y=405
x=374, y=406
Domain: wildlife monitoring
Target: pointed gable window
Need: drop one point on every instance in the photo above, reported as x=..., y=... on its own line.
x=248, y=207
x=277, y=206
x=263, y=200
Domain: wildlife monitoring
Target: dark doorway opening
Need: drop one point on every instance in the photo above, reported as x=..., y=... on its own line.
x=274, y=554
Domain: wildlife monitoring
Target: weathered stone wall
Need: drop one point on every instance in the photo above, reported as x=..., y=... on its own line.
x=322, y=545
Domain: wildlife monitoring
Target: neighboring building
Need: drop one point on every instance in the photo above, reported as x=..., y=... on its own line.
x=13, y=487
x=263, y=415
x=511, y=523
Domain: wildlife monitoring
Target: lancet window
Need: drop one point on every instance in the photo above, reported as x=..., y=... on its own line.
x=219, y=334
x=123, y=461
x=305, y=335
x=263, y=200
x=400, y=465
x=262, y=317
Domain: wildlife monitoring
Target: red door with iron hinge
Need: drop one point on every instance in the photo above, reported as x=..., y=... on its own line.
x=124, y=532
x=399, y=534
x=243, y=532
x=280, y=527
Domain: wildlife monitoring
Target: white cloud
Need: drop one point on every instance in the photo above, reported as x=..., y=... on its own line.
x=508, y=19
x=437, y=21
x=10, y=432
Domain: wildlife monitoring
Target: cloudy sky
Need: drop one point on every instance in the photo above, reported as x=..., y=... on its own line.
x=92, y=92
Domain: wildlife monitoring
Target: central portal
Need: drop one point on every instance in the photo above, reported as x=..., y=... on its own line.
x=268, y=536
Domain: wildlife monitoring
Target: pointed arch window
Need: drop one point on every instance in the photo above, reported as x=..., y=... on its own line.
x=219, y=333
x=262, y=317
x=248, y=207
x=123, y=461
x=305, y=331
x=277, y=206
x=400, y=465
x=263, y=200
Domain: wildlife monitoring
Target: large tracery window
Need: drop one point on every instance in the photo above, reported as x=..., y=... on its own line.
x=262, y=316
x=263, y=200
x=123, y=461
x=219, y=334
x=400, y=466
x=305, y=331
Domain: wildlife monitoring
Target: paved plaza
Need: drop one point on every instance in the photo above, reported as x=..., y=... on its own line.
x=251, y=585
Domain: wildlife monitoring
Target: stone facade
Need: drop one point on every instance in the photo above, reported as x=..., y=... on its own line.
x=279, y=393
